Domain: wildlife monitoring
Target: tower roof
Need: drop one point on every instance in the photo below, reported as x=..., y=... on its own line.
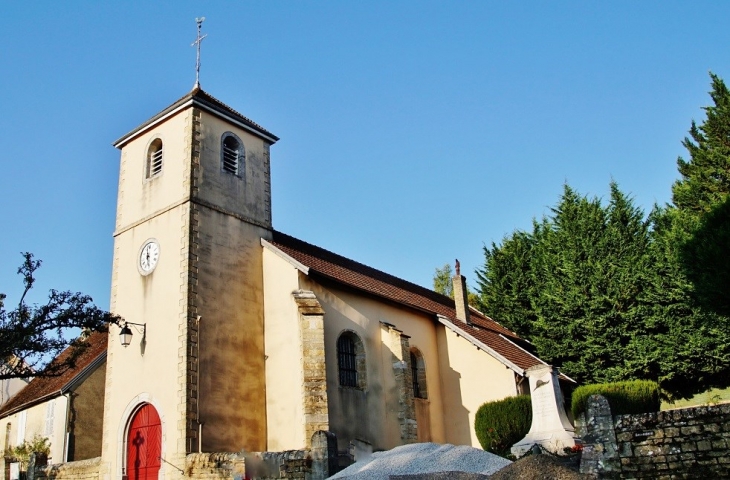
x=199, y=99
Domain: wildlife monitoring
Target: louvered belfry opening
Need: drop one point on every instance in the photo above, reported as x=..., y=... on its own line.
x=154, y=158
x=347, y=360
x=232, y=153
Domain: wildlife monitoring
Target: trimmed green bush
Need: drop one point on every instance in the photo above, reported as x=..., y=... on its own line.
x=501, y=424
x=634, y=396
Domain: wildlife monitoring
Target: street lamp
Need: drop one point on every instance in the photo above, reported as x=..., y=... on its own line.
x=125, y=334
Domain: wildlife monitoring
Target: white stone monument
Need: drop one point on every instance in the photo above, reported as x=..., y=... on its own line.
x=550, y=428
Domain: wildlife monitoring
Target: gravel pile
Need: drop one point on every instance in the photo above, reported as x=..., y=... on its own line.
x=541, y=467
x=423, y=458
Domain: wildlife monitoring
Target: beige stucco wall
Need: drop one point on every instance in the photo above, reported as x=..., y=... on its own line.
x=152, y=371
x=284, y=372
x=140, y=197
x=230, y=301
x=248, y=194
x=470, y=377
x=148, y=371
x=35, y=424
x=85, y=418
x=230, y=293
x=208, y=224
x=371, y=414
x=9, y=387
x=459, y=376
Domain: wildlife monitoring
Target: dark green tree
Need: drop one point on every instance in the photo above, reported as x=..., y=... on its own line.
x=599, y=291
x=32, y=335
x=705, y=177
x=506, y=283
x=572, y=285
x=701, y=198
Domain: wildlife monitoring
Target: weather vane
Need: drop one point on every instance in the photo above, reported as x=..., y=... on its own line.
x=197, y=43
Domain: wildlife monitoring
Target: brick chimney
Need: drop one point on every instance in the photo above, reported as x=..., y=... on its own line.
x=460, y=295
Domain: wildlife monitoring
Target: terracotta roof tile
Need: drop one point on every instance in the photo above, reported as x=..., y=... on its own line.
x=41, y=387
x=335, y=267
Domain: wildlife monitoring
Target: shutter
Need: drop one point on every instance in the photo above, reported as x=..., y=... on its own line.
x=50, y=417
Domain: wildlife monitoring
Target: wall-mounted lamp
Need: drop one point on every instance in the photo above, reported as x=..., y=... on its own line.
x=125, y=335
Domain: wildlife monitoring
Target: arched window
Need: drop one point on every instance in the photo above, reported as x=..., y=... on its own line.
x=418, y=372
x=154, y=159
x=232, y=154
x=351, y=361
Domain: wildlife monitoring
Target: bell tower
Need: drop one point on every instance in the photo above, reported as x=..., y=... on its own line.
x=194, y=203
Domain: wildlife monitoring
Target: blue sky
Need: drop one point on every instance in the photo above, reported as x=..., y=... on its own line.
x=412, y=133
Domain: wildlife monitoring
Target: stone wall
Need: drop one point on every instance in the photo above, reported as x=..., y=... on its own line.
x=315, y=463
x=682, y=443
x=81, y=470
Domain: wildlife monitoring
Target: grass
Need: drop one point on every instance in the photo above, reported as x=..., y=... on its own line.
x=710, y=397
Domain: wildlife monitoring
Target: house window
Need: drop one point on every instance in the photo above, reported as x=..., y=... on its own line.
x=418, y=374
x=154, y=159
x=232, y=154
x=8, y=427
x=351, y=360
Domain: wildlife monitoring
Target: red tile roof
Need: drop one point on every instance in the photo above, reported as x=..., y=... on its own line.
x=41, y=388
x=484, y=330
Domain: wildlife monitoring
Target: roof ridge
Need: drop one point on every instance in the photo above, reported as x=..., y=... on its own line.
x=200, y=92
x=433, y=295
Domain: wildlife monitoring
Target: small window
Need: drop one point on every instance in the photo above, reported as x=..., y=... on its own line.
x=351, y=361
x=418, y=373
x=346, y=361
x=154, y=159
x=232, y=154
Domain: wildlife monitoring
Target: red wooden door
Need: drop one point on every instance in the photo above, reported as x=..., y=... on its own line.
x=144, y=444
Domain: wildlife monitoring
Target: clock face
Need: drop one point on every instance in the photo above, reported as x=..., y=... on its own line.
x=149, y=254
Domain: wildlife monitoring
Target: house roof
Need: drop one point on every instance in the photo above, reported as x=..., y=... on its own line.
x=201, y=99
x=483, y=332
x=41, y=389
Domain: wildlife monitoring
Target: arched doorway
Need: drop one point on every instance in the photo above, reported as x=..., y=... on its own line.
x=144, y=444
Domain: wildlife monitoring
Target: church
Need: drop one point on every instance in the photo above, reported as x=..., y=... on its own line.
x=236, y=336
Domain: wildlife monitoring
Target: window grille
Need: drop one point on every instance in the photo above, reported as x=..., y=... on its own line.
x=414, y=374
x=154, y=159
x=232, y=154
x=347, y=361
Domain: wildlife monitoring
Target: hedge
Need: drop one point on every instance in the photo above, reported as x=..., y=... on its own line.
x=634, y=396
x=501, y=424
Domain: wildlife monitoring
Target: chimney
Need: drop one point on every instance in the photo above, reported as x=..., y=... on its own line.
x=460, y=296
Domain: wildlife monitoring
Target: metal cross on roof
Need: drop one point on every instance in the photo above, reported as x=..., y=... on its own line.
x=197, y=43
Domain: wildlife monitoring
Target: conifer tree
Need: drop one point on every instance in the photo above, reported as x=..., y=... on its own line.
x=702, y=199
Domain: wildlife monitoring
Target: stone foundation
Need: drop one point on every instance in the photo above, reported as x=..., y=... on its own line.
x=80, y=470
x=316, y=463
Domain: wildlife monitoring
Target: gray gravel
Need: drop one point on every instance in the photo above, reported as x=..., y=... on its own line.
x=423, y=458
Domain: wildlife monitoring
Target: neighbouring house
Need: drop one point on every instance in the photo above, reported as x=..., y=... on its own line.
x=67, y=409
x=245, y=338
x=10, y=386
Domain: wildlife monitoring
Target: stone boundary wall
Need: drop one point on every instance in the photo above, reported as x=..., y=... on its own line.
x=682, y=443
x=79, y=470
x=315, y=463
